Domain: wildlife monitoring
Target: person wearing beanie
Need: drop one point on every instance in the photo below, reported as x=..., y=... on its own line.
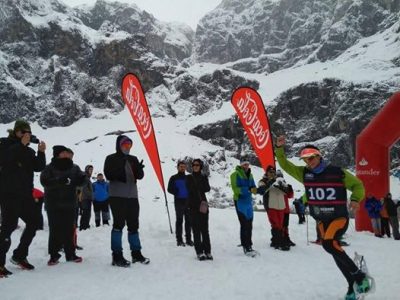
x=18, y=162
x=86, y=199
x=177, y=186
x=326, y=193
x=243, y=185
x=123, y=170
x=198, y=186
x=60, y=180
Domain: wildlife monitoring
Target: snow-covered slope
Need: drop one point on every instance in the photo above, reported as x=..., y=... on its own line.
x=306, y=272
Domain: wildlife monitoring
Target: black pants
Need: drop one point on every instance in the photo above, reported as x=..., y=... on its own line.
x=182, y=211
x=101, y=211
x=61, y=231
x=246, y=229
x=39, y=207
x=11, y=211
x=86, y=211
x=200, y=232
x=385, y=228
x=331, y=231
x=125, y=211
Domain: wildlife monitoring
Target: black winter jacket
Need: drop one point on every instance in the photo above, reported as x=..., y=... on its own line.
x=114, y=165
x=198, y=186
x=60, y=179
x=17, y=164
x=391, y=207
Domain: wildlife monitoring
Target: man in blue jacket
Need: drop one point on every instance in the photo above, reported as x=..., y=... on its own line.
x=100, y=203
x=177, y=186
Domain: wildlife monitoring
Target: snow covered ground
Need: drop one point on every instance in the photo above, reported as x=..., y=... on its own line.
x=306, y=272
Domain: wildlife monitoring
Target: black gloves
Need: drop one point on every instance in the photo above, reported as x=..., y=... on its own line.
x=141, y=165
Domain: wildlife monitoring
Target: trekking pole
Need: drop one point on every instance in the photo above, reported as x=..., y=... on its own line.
x=169, y=218
x=308, y=240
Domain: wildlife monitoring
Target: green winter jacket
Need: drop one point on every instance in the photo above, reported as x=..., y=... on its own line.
x=241, y=184
x=350, y=181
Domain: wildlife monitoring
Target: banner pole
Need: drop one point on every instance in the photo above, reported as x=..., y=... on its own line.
x=169, y=218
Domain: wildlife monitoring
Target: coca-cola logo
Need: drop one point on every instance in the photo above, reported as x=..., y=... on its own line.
x=135, y=106
x=248, y=112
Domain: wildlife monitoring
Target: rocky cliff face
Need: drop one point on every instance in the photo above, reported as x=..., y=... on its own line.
x=330, y=114
x=57, y=64
x=269, y=35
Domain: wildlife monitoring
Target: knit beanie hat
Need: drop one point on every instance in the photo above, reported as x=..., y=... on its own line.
x=58, y=149
x=21, y=125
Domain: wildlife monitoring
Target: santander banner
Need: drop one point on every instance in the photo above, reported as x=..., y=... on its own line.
x=133, y=96
x=251, y=112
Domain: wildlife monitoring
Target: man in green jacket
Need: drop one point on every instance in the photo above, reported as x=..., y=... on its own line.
x=326, y=193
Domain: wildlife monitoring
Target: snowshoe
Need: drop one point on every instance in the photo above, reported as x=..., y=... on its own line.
x=350, y=296
x=138, y=257
x=4, y=273
x=367, y=285
x=22, y=263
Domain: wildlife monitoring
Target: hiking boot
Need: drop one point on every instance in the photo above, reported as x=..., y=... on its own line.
x=363, y=286
x=284, y=248
x=290, y=243
x=22, y=263
x=75, y=258
x=106, y=223
x=180, y=244
x=201, y=256
x=119, y=261
x=138, y=257
x=209, y=256
x=78, y=247
x=97, y=223
x=53, y=261
x=189, y=243
x=4, y=272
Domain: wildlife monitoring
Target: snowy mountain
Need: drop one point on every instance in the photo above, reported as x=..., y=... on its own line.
x=323, y=68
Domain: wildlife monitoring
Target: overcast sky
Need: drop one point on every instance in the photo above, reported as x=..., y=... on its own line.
x=186, y=11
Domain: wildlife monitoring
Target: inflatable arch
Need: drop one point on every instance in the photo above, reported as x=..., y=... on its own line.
x=373, y=155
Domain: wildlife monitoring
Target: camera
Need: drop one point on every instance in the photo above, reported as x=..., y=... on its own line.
x=34, y=139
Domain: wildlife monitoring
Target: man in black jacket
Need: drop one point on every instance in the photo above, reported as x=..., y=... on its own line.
x=18, y=162
x=123, y=171
x=60, y=179
x=177, y=186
